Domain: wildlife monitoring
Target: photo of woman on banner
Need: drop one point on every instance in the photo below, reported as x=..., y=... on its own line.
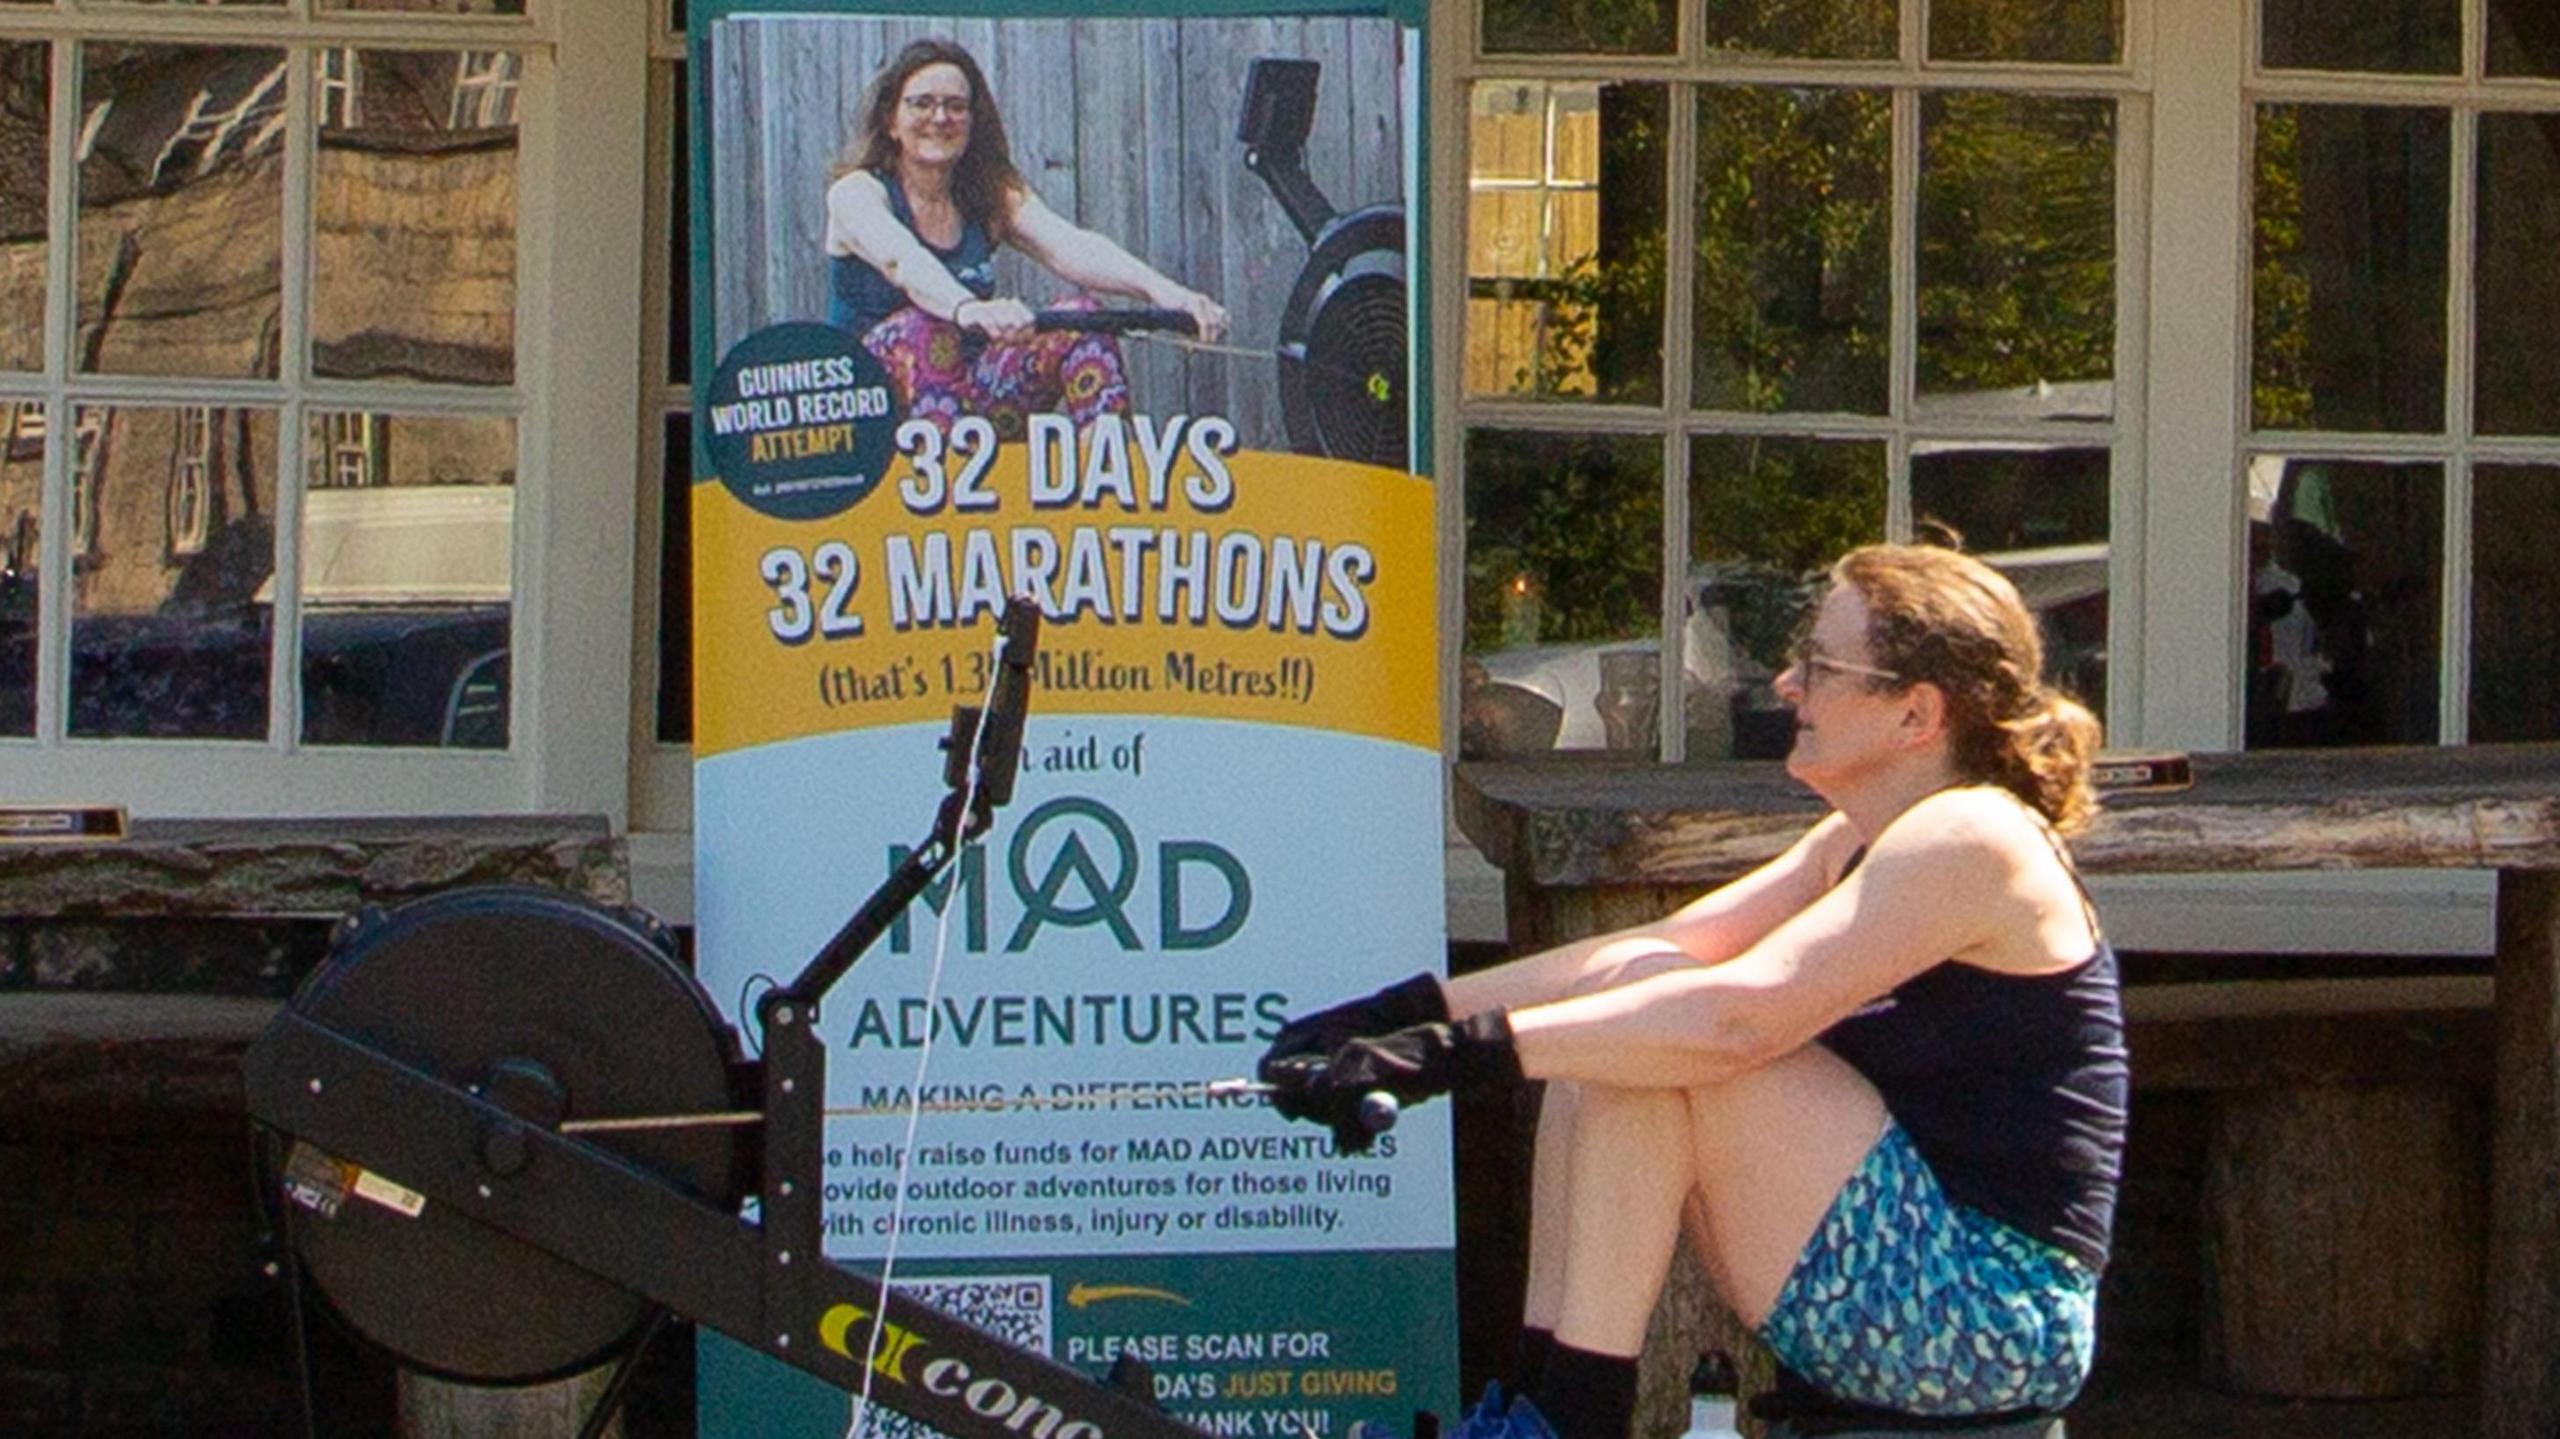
x=914, y=216
x=1881, y=1079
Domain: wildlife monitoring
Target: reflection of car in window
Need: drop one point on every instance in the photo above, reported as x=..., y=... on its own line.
x=1736, y=622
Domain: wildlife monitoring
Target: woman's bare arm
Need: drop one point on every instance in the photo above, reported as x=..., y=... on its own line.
x=1094, y=262
x=1941, y=882
x=1708, y=930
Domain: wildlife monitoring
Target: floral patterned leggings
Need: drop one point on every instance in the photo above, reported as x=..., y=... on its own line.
x=941, y=372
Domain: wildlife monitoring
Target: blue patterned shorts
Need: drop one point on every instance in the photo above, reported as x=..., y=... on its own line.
x=1908, y=1301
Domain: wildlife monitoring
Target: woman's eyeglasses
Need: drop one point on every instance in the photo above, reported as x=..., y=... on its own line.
x=1807, y=657
x=950, y=107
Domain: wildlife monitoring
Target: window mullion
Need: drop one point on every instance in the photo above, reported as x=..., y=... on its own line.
x=1904, y=365
x=2128, y=466
x=1679, y=345
x=293, y=366
x=55, y=590
x=2461, y=405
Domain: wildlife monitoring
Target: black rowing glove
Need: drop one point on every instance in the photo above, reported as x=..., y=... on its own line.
x=1406, y=1002
x=1412, y=1064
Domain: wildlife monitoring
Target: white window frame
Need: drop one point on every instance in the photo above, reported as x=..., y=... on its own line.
x=572, y=578
x=484, y=89
x=1676, y=421
x=340, y=81
x=190, y=475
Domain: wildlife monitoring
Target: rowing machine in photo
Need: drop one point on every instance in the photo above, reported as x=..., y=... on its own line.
x=508, y=1136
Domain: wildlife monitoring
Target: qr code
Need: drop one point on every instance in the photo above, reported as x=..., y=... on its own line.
x=1012, y=1307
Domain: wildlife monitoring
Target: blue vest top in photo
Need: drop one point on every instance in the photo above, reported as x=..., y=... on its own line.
x=859, y=296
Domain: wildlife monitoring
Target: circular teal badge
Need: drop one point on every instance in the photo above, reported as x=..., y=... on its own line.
x=799, y=421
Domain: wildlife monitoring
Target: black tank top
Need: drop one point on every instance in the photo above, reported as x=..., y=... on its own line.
x=2013, y=1087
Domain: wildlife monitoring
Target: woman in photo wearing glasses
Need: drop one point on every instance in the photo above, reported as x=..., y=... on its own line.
x=915, y=211
x=1881, y=1078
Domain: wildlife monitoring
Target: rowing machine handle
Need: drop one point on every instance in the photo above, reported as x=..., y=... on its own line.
x=1116, y=322
x=1378, y=1111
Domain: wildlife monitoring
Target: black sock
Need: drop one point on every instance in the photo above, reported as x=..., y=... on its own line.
x=1586, y=1395
x=1529, y=1361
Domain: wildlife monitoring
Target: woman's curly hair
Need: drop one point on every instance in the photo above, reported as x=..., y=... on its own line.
x=985, y=180
x=1948, y=619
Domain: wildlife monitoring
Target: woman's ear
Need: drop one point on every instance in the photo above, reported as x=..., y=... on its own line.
x=1924, y=714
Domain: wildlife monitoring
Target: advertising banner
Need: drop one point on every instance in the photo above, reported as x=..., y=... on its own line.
x=1111, y=311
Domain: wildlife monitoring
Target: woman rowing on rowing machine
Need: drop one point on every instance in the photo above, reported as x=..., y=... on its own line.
x=1881, y=1078
x=914, y=215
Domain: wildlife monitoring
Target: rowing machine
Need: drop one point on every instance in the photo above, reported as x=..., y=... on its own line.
x=442, y=1092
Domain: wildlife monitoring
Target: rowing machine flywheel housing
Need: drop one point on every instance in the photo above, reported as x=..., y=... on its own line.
x=1343, y=348
x=550, y=1008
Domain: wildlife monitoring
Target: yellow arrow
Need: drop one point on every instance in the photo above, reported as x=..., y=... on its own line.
x=1083, y=1294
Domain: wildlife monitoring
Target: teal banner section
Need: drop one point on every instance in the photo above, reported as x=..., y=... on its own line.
x=1268, y=1346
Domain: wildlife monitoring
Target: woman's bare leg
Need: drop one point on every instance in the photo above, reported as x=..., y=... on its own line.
x=1628, y=1170
x=1770, y=1150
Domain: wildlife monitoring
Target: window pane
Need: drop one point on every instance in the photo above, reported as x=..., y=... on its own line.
x=2524, y=38
x=2039, y=516
x=25, y=160
x=1565, y=232
x=170, y=642
x=675, y=582
x=2515, y=603
x=679, y=182
x=1833, y=30
x=2401, y=36
x=2349, y=276
x=2058, y=32
x=2518, y=366
x=181, y=209
x=1795, y=236
x=1767, y=514
x=21, y=500
x=407, y=579
x=1548, y=27
x=2345, y=583
x=2017, y=256
x=1564, y=586
x=413, y=215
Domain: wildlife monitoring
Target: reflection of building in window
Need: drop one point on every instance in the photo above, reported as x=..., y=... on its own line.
x=90, y=431
x=484, y=89
x=1533, y=227
x=190, y=493
x=26, y=430
x=341, y=87
x=350, y=452
x=252, y=122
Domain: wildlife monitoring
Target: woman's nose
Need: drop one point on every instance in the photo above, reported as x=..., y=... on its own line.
x=1790, y=684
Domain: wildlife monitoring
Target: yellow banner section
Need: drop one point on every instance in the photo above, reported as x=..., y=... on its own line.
x=1275, y=588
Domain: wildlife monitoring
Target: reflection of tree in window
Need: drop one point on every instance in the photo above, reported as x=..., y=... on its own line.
x=2017, y=241
x=1564, y=537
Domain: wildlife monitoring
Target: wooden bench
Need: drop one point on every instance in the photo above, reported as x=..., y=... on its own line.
x=1586, y=846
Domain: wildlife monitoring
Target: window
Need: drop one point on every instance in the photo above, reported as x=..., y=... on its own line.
x=190, y=461
x=319, y=364
x=484, y=90
x=339, y=83
x=662, y=679
x=2404, y=399
x=1805, y=283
